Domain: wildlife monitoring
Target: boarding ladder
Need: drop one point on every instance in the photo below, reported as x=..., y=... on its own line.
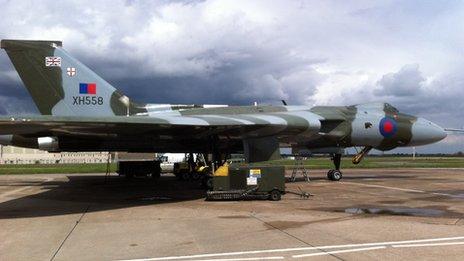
x=299, y=168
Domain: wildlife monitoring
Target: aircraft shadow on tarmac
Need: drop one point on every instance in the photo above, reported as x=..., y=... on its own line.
x=94, y=193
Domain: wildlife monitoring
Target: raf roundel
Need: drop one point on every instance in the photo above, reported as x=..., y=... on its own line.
x=388, y=127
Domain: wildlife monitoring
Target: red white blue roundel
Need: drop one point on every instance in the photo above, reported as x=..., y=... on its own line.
x=388, y=127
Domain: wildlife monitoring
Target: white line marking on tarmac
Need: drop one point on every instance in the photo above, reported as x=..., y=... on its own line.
x=339, y=251
x=244, y=259
x=298, y=249
x=430, y=244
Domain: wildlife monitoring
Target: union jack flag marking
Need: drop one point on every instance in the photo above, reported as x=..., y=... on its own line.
x=53, y=61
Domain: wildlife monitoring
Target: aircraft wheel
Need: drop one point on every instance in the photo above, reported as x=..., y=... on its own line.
x=329, y=174
x=196, y=175
x=275, y=195
x=185, y=176
x=155, y=175
x=209, y=183
x=336, y=175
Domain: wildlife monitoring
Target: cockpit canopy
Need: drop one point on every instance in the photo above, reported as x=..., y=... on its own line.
x=381, y=106
x=389, y=108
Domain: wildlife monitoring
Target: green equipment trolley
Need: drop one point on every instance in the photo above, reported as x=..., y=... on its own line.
x=240, y=182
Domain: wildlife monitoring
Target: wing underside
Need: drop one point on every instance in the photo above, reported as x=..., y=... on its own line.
x=163, y=132
x=240, y=126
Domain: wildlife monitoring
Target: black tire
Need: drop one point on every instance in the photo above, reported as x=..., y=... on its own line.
x=175, y=169
x=275, y=195
x=185, y=176
x=209, y=183
x=196, y=175
x=336, y=175
x=329, y=174
x=155, y=176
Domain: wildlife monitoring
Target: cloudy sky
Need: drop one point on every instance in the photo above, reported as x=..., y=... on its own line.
x=407, y=53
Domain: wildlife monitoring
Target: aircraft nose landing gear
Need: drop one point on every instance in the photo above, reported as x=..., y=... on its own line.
x=335, y=174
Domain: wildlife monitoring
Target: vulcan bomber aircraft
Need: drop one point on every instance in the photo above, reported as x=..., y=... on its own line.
x=83, y=112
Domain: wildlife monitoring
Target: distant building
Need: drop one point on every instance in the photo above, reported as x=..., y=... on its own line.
x=16, y=155
x=131, y=156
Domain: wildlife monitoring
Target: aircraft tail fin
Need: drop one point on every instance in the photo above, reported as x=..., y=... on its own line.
x=61, y=85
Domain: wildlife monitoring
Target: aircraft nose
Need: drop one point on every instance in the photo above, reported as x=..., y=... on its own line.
x=426, y=132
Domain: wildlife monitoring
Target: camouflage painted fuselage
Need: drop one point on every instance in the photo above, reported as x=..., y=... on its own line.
x=83, y=112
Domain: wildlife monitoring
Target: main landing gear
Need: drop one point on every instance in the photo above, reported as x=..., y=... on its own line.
x=335, y=174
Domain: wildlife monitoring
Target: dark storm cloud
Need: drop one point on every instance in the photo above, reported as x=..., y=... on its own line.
x=180, y=90
x=238, y=52
x=436, y=99
x=12, y=90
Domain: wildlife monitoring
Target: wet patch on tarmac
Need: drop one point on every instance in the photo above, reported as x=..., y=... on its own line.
x=452, y=193
x=427, y=211
x=402, y=211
